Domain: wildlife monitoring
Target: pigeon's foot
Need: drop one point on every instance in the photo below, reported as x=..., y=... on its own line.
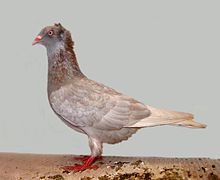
x=85, y=158
x=79, y=167
x=87, y=164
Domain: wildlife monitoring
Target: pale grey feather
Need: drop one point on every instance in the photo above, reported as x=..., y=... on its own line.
x=87, y=103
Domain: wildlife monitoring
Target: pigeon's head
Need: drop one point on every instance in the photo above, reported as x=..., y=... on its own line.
x=53, y=36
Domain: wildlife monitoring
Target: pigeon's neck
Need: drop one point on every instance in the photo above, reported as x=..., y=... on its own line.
x=62, y=65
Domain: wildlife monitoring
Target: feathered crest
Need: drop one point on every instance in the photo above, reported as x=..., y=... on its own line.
x=68, y=43
x=60, y=28
x=57, y=24
x=66, y=36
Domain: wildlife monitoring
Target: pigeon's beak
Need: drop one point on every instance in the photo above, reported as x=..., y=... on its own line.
x=37, y=40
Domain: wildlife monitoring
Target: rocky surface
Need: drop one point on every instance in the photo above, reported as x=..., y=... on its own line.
x=47, y=167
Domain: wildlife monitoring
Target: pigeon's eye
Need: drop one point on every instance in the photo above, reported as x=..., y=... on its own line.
x=51, y=33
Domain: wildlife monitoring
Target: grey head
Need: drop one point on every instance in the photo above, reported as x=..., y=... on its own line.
x=54, y=38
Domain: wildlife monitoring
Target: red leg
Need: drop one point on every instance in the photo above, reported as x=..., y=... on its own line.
x=87, y=164
x=82, y=158
x=85, y=158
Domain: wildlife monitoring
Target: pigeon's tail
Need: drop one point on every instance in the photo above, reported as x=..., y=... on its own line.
x=161, y=117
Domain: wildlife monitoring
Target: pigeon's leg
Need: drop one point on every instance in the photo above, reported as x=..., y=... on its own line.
x=85, y=158
x=96, y=149
x=82, y=158
x=80, y=167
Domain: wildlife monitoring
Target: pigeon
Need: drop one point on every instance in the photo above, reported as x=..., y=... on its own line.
x=91, y=108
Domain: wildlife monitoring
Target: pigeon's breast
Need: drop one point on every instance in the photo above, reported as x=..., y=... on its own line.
x=74, y=106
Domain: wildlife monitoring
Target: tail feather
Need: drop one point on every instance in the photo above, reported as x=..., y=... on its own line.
x=161, y=117
x=189, y=124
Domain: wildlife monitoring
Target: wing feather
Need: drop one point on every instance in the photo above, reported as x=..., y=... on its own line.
x=87, y=103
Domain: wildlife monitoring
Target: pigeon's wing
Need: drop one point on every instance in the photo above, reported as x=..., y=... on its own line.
x=87, y=103
x=125, y=112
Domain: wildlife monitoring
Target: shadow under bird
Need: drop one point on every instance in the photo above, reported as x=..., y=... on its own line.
x=91, y=108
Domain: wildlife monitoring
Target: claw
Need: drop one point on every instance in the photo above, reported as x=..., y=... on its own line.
x=87, y=164
x=85, y=158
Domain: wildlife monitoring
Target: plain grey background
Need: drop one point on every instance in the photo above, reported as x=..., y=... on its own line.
x=162, y=53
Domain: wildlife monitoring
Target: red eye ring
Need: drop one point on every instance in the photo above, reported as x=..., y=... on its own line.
x=51, y=33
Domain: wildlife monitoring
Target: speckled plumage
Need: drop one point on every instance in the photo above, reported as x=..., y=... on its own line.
x=94, y=109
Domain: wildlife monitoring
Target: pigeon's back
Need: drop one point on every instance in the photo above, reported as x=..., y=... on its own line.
x=101, y=112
